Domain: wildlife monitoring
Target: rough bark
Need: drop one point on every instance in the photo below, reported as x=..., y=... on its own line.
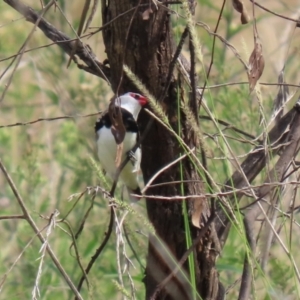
x=146, y=47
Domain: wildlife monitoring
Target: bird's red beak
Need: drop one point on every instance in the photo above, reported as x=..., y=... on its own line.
x=143, y=100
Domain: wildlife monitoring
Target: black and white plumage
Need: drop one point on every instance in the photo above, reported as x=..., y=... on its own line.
x=130, y=105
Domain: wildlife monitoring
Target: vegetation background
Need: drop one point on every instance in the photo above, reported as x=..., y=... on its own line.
x=50, y=161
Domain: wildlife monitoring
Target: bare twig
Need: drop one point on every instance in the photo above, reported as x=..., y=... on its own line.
x=12, y=217
x=84, y=52
x=74, y=244
x=274, y=13
x=212, y=51
x=253, y=164
x=275, y=174
x=43, y=250
x=125, y=46
x=80, y=29
x=21, y=51
x=81, y=226
x=98, y=251
x=183, y=258
x=173, y=63
x=164, y=169
x=92, y=14
x=48, y=119
x=229, y=126
x=37, y=231
x=2, y=281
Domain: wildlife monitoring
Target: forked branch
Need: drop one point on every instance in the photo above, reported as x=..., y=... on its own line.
x=83, y=51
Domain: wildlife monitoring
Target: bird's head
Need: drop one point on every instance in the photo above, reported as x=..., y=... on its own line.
x=132, y=102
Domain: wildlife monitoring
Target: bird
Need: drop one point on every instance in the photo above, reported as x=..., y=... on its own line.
x=130, y=105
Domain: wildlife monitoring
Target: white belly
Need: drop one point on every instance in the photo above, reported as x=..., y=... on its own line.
x=107, y=151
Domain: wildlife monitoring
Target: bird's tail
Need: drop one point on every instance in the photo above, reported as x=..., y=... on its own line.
x=136, y=191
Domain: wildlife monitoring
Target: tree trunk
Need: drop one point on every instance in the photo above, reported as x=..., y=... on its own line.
x=145, y=45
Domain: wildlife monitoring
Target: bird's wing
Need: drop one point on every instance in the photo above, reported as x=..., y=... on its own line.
x=104, y=120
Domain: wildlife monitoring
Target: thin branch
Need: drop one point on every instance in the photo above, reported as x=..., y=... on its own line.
x=80, y=28
x=37, y=231
x=92, y=14
x=229, y=126
x=193, y=76
x=213, y=51
x=21, y=51
x=84, y=52
x=185, y=256
x=164, y=169
x=98, y=251
x=77, y=254
x=48, y=119
x=253, y=164
x=2, y=281
x=276, y=173
x=173, y=63
x=12, y=217
x=81, y=225
x=44, y=46
x=136, y=256
x=125, y=47
x=246, y=82
x=274, y=13
x=292, y=209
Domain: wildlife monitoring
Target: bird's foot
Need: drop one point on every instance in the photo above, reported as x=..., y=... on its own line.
x=131, y=156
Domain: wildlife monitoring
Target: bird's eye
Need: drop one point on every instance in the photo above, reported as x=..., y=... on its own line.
x=135, y=96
